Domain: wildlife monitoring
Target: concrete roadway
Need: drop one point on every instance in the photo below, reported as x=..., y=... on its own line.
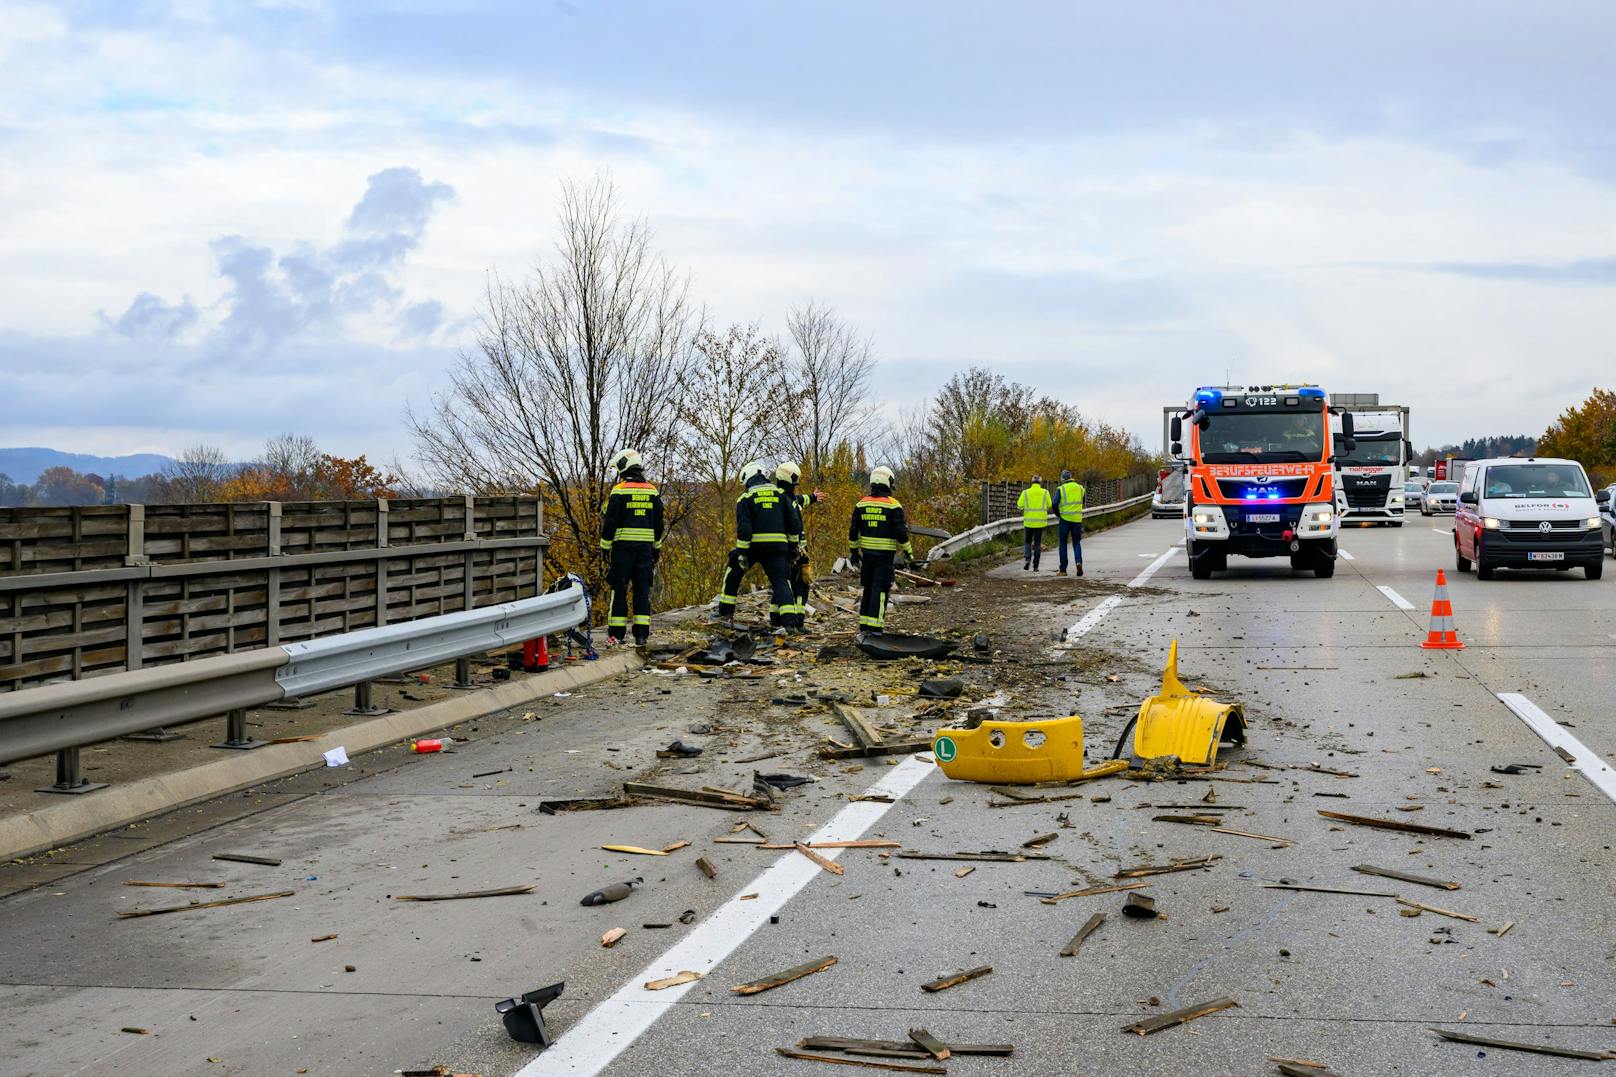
x=1323, y=667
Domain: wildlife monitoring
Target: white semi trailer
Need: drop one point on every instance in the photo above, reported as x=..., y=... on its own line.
x=1374, y=471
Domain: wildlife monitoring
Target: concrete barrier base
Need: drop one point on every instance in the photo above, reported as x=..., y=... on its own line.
x=76, y=818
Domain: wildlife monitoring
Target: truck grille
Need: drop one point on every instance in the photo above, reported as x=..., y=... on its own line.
x=1366, y=491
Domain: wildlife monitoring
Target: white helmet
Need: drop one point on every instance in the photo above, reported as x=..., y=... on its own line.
x=624, y=460
x=881, y=476
x=788, y=472
x=753, y=468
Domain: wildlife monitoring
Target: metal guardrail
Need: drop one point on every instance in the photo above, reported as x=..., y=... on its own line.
x=63, y=718
x=989, y=531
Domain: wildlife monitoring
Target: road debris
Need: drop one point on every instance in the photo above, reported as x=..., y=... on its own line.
x=891, y=646
x=930, y=1044
x=1403, y=876
x=1139, y=907
x=1517, y=768
x=705, y=866
x=323, y=938
x=678, y=750
x=675, y=980
x=992, y=856
x=905, y=1047
x=780, y=979
x=1178, y=1017
x=1393, y=824
x=829, y=865
x=1091, y=891
x=608, y=894
x=129, y=914
x=1327, y=890
x=178, y=886
x=1040, y=840
x=1002, y=752
x=955, y=980
x=1184, y=725
x=1278, y=841
x=1422, y=907
x=806, y=1057
x=703, y=798
x=862, y=843
x=1190, y=864
x=635, y=849
x=1514, y=1045
x=503, y=891
x=1088, y=928
x=556, y=807
x=1503, y=929
x=523, y=1017
x=245, y=858
x=135, y=1030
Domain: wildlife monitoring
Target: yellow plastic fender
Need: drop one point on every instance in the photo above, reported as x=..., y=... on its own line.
x=1017, y=753
x=1181, y=723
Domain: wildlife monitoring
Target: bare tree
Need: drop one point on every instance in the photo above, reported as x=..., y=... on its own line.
x=727, y=412
x=828, y=376
x=295, y=459
x=197, y=474
x=588, y=356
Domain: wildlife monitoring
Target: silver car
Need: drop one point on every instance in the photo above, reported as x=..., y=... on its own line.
x=1413, y=496
x=1440, y=497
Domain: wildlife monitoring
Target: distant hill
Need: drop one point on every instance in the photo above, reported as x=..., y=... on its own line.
x=25, y=465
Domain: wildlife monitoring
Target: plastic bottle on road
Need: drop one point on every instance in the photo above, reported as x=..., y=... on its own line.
x=436, y=744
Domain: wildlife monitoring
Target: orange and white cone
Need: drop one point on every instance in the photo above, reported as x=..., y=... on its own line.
x=1442, y=635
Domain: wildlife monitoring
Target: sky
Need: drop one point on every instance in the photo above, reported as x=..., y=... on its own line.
x=220, y=221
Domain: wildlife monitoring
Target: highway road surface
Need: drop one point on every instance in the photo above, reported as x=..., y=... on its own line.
x=1346, y=711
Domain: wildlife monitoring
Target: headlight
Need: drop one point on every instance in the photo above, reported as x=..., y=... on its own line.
x=1591, y=522
x=1491, y=523
x=1397, y=499
x=1204, y=517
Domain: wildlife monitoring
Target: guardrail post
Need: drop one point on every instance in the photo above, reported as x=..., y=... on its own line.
x=68, y=778
x=363, y=707
x=236, y=735
x=462, y=676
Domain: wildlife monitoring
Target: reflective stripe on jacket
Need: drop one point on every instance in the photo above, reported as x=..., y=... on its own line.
x=1034, y=504
x=1069, y=500
x=765, y=515
x=632, y=513
x=878, y=525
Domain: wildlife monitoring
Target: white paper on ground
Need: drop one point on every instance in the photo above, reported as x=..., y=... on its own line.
x=337, y=757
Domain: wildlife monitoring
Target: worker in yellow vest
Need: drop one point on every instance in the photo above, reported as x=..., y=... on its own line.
x=1069, y=507
x=1034, y=504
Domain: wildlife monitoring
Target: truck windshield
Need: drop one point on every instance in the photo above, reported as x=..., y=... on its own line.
x=1371, y=453
x=1263, y=437
x=1536, y=480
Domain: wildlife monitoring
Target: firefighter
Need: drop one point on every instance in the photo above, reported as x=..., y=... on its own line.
x=768, y=532
x=738, y=564
x=631, y=534
x=1069, y=507
x=1034, y=504
x=875, y=535
x=787, y=476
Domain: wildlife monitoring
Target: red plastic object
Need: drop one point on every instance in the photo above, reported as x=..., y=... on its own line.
x=536, y=654
x=426, y=745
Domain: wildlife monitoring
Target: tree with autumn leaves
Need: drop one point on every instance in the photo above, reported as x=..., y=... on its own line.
x=1586, y=433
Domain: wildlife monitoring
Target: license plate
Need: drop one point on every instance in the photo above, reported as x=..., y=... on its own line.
x=1262, y=518
x=1541, y=555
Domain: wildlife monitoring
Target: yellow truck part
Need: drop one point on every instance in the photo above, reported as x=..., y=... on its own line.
x=1185, y=724
x=1017, y=753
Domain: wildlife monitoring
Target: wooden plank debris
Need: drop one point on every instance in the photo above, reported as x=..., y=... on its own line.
x=178, y=886
x=1040, y=840
x=780, y=979
x=675, y=980
x=1192, y=864
x=853, y=718
x=829, y=865
x=1178, y=1017
x=1055, y=899
x=1420, y=905
x=1327, y=890
x=503, y=891
x=838, y=1043
x=932, y=1045
x=635, y=849
x=702, y=798
x=806, y=1057
x=1393, y=824
x=244, y=858
x=705, y=866
x=1082, y=933
x=908, y=747
x=991, y=856
x=1275, y=838
x=955, y=980
x=1193, y=820
x=1514, y=1045
x=129, y=914
x=962, y=872
x=1404, y=876
x=612, y=937
x=674, y=847
x=862, y=843
x=1502, y=929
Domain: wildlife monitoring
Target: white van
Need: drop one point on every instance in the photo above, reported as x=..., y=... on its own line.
x=1527, y=513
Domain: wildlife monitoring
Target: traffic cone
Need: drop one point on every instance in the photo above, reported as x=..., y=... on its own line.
x=1442, y=635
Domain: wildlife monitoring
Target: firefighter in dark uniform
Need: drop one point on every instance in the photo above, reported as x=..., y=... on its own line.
x=737, y=566
x=875, y=535
x=768, y=532
x=631, y=533
x=787, y=476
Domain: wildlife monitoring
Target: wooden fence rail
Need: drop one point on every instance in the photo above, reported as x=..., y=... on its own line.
x=97, y=589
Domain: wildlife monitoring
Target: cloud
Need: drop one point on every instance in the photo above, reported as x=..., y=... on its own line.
x=1582, y=271
x=150, y=318
x=421, y=319
x=273, y=298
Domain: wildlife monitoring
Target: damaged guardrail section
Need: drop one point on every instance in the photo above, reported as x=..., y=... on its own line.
x=63, y=718
x=986, y=532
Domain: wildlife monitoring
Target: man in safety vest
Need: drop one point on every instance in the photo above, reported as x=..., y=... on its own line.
x=1069, y=507
x=787, y=476
x=875, y=534
x=768, y=529
x=1034, y=504
x=631, y=533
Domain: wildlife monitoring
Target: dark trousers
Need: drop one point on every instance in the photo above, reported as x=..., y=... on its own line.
x=632, y=567
x=876, y=576
x=1071, y=529
x=734, y=573
x=802, y=577
x=1032, y=545
x=776, y=561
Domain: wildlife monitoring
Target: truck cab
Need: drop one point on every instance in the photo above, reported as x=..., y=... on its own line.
x=1374, y=472
x=1260, y=476
x=1527, y=513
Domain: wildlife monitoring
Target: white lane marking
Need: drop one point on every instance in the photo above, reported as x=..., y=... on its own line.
x=1396, y=599
x=1150, y=569
x=607, y=1030
x=1346, y=555
x=1554, y=734
x=1092, y=618
x=1144, y=555
x=1439, y=531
